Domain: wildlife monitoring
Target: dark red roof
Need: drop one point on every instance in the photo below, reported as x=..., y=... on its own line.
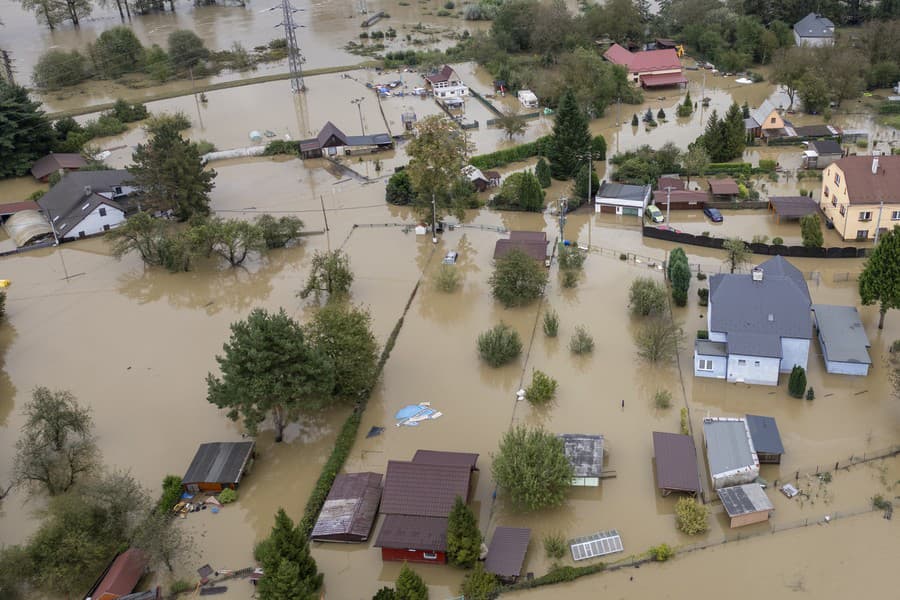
x=674, y=182
x=54, y=162
x=121, y=577
x=680, y=197
x=723, y=187
x=645, y=61
x=442, y=75
x=414, y=488
x=864, y=187
x=676, y=462
x=406, y=531
x=14, y=207
x=662, y=79
x=507, y=551
x=435, y=457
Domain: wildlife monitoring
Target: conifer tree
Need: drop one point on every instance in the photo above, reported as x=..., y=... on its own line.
x=571, y=138
x=463, y=536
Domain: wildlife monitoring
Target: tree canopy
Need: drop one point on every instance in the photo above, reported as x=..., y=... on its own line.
x=269, y=368
x=25, y=133
x=531, y=467
x=463, y=536
x=879, y=281
x=437, y=155
x=517, y=279
x=570, y=143
x=329, y=274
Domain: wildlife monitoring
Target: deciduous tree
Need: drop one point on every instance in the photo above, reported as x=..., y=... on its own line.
x=186, y=49
x=512, y=123
x=646, y=297
x=330, y=273
x=278, y=233
x=56, y=69
x=399, y=189
x=437, y=155
x=658, y=339
x=695, y=161
x=880, y=279
x=531, y=467
x=517, y=279
x=737, y=253
x=269, y=368
x=117, y=51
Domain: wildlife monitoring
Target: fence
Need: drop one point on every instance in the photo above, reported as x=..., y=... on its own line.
x=756, y=248
x=844, y=464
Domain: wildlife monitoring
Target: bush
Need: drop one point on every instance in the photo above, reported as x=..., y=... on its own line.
x=647, y=297
x=56, y=69
x=685, y=422
x=704, y=296
x=105, y=126
x=797, y=382
x=661, y=553
x=205, y=147
x=777, y=241
x=157, y=64
x=551, y=323
x=662, y=399
x=691, y=517
x=514, y=154
x=179, y=586
x=446, y=279
x=186, y=49
x=499, y=345
x=276, y=147
x=128, y=113
x=542, y=389
x=177, y=121
x=767, y=165
x=399, y=190
x=171, y=494
x=517, y=279
x=479, y=584
x=571, y=257
x=531, y=466
x=569, y=278
x=702, y=334
x=117, y=51
x=227, y=496
x=702, y=276
x=554, y=546
x=581, y=342
x=880, y=503
x=810, y=394
x=278, y=233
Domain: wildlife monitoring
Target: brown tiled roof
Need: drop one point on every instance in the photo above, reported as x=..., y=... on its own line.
x=676, y=462
x=435, y=457
x=421, y=533
x=865, y=188
x=723, y=187
x=674, y=182
x=536, y=250
x=528, y=236
x=350, y=509
x=680, y=197
x=442, y=75
x=507, y=551
x=123, y=574
x=412, y=488
x=54, y=162
x=14, y=207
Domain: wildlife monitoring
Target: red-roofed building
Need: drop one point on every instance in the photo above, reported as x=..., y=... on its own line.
x=650, y=68
x=121, y=576
x=446, y=83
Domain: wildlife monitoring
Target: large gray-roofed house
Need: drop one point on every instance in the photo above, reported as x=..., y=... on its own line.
x=350, y=509
x=766, y=438
x=216, y=466
x=676, y=463
x=845, y=345
x=746, y=504
x=507, y=552
x=85, y=203
x=814, y=30
x=761, y=322
x=622, y=198
x=585, y=453
x=729, y=451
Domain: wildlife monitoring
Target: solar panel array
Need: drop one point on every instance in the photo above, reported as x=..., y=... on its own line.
x=598, y=544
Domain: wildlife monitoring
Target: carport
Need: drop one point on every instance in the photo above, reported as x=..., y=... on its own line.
x=792, y=207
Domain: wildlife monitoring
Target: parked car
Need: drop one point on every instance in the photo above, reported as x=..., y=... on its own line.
x=714, y=215
x=654, y=214
x=450, y=258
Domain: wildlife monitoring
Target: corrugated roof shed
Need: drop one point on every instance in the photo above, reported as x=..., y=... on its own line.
x=842, y=334
x=585, y=452
x=676, y=462
x=764, y=433
x=412, y=488
x=793, y=207
x=437, y=457
x=728, y=445
x=218, y=462
x=724, y=187
x=744, y=499
x=826, y=147
x=350, y=508
x=507, y=551
x=411, y=531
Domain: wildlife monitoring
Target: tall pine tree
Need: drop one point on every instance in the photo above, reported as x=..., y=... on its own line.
x=25, y=133
x=294, y=574
x=463, y=535
x=169, y=171
x=713, y=138
x=571, y=140
x=410, y=585
x=735, y=132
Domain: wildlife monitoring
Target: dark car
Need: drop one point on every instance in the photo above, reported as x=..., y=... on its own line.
x=713, y=213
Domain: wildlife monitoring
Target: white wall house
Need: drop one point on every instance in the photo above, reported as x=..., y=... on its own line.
x=814, y=30
x=85, y=203
x=622, y=198
x=95, y=217
x=447, y=84
x=759, y=325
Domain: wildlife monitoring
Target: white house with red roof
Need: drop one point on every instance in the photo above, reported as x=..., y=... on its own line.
x=649, y=68
x=446, y=83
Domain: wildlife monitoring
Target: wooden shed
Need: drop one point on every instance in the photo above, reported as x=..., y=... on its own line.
x=676, y=463
x=766, y=439
x=724, y=189
x=350, y=509
x=218, y=465
x=506, y=554
x=746, y=504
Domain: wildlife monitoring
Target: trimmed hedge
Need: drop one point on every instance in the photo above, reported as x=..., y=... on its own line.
x=559, y=575
x=516, y=153
x=277, y=147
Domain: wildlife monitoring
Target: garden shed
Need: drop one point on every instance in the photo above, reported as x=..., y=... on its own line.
x=218, y=465
x=729, y=451
x=746, y=504
x=350, y=509
x=724, y=189
x=845, y=345
x=676, y=463
x=585, y=453
x=506, y=554
x=766, y=439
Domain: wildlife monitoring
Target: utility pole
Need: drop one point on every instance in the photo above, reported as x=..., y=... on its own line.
x=590, y=174
x=358, y=103
x=618, y=121
x=668, y=202
x=878, y=223
x=56, y=243
x=433, y=219
x=295, y=59
x=563, y=207
x=194, y=91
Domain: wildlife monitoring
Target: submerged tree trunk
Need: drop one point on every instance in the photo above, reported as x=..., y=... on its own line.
x=881, y=314
x=121, y=12
x=278, y=418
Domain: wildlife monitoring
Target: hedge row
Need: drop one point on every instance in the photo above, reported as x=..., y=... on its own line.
x=276, y=147
x=346, y=438
x=765, y=249
x=514, y=154
x=559, y=575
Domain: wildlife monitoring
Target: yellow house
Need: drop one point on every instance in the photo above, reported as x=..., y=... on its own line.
x=766, y=121
x=861, y=194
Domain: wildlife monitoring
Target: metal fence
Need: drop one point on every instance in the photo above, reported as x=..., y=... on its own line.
x=845, y=463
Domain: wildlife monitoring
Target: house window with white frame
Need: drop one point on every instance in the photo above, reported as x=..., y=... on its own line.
x=895, y=215
x=837, y=179
x=742, y=362
x=843, y=210
x=865, y=215
x=705, y=364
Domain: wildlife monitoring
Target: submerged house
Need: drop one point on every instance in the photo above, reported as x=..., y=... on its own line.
x=350, y=509
x=622, y=198
x=759, y=325
x=446, y=83
x=532, y=243
x=417, y=499
x=845, y=345
x=61, y=163
x=331, y=141
x=87, y=203
x=746, y=504
x=730, y=452
x=649, y=68
x=676, y=463
x=218, y=465
x=120, y=577
x=585, y=453
x=766, y=439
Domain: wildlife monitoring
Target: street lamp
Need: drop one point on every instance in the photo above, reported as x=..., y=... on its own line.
x=358, y=103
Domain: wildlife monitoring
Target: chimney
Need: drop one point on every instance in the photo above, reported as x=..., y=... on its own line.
x=87, y=191
x=757, y=274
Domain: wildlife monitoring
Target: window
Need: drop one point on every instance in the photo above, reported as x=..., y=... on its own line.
x=106, y=228
x=826, y=191
x=862, y=234
x=865, y=215
x=837, y=179
x=843, y=210
x=895, y=215
x=704, y=365
x=773, y=120
x=102, y=211
x=429, y=555
x=834, y=201
x=81, y=234
x=755, y=363
x=742, y=362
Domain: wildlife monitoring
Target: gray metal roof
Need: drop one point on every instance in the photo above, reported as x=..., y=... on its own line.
x=826, y=147
x=764, y=432
x=218, y=462
x=727, y=445
x=585, y=452
x=350, y=508
x=744, y=499
x=762, y=112
x=624, y=191
x=708, y=348
x=776, y=307
x=814, y=26
x=68, y=202
x=507, y=551
x=842, y=334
